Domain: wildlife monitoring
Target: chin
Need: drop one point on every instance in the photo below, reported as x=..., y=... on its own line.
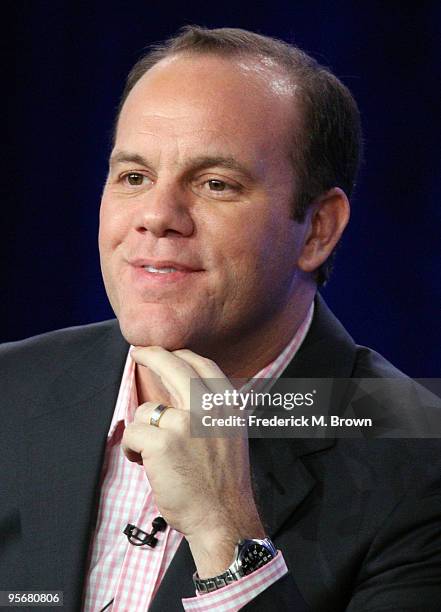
x=153, y=333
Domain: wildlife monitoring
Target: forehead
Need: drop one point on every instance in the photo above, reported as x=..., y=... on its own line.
x=205, y=100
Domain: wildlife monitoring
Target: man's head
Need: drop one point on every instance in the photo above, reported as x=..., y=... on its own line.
x=211, y=174
x=326, y=146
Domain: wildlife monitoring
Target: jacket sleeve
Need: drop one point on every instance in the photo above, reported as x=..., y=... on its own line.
x=250, y=592
x=402, y=570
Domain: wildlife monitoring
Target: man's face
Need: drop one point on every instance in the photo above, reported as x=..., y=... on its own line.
x=198, y=247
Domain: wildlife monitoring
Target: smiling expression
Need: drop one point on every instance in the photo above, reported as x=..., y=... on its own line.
x=197, y=242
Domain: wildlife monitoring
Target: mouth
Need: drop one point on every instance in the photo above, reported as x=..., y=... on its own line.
x=162, y=271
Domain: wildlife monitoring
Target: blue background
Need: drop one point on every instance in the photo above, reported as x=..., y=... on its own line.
x=65, y=64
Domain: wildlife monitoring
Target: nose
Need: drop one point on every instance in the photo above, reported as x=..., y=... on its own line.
x=164, y=210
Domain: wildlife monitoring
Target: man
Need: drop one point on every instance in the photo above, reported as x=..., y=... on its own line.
x=233, y=160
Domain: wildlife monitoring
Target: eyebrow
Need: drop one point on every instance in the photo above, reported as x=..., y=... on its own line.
x=208, y=161
x=124, y=157
x=201, y=162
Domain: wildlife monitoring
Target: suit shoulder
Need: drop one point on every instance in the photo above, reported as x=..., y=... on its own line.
x=47, y=351
x=396, y=404
x=370, y=364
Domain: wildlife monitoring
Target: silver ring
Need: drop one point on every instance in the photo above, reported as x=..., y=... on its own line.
x=157, y=413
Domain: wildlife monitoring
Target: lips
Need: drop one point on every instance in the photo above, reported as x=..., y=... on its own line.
x=163, y=266
x=162, y=275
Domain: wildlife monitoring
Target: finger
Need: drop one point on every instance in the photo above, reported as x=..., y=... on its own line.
x=211, y=374
x=144, y=412
x=135, y=440
x=141, y=441
x=175, y=373
x=206, y=368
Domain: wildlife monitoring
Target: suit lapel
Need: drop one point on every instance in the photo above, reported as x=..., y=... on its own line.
x=60, y=494
x=177, y=583
x=281, y=478
x=328, y=351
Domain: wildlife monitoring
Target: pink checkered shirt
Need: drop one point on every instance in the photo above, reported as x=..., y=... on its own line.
x=131, y=574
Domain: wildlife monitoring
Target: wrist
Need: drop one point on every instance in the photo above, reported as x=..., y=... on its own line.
x=249, y=556
x=213, y=549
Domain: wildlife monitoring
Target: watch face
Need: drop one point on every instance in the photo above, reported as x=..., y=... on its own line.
x=252, y=557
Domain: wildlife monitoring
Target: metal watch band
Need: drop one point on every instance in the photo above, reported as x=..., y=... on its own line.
x=235, y=571
x=208, y=585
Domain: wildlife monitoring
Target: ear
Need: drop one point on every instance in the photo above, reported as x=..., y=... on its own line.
x=327, y=217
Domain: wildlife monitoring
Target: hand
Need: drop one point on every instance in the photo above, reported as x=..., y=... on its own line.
x=202, y=486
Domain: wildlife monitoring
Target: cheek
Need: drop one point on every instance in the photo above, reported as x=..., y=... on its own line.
x=261, y=238
x=241, y=249
x=113, y=226
x=268, y=253
x=110, y=236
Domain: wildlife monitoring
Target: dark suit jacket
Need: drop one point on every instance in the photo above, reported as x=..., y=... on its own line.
x=358, y=520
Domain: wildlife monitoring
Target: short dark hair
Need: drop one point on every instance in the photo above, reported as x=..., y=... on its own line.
x=327, y=152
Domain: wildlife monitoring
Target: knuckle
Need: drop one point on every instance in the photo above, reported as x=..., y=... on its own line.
x=181, y=419
x=155, y=349
x=144, y=409
x=209, y=362
x=128, y=430
x=184, y=353
x=124, y=439
x=165, y=443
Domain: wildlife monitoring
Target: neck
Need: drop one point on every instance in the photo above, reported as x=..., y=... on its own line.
x=254, y=351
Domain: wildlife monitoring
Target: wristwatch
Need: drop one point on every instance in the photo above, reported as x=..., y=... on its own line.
x=249, y=555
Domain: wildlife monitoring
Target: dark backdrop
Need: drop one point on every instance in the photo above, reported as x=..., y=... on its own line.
x=65, y=63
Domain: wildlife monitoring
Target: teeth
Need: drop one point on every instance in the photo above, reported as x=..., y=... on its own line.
x=159, y=270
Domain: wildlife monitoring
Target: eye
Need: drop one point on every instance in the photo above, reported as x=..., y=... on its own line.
x=134, y=179
x=219, y=188
x=217, y=185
